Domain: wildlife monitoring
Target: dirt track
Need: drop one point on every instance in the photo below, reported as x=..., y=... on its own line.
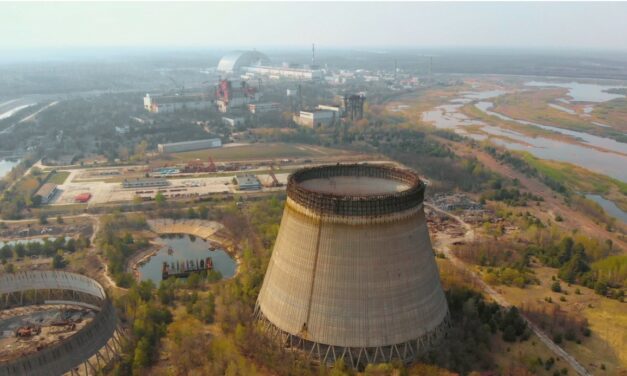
x=445, y=245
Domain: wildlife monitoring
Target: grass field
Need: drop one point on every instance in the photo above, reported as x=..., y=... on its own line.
x=612, y=113
x=257, y=151
x=58, y=177
x=506, y=355
x=533, y=105
x=580, y=179
x=607, y=319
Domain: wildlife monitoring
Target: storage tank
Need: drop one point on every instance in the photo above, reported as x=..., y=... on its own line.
x=352, y=274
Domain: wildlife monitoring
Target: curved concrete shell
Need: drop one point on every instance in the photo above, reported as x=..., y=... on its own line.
x=352, y=273
x=234, y=61
x=81, y=353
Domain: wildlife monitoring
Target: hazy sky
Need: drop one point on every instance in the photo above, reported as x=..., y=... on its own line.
x=250, y=25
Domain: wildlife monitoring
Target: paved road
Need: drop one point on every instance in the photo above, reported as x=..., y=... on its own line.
x=469, y=235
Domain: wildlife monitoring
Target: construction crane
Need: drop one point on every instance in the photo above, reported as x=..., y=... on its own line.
x=177, y=85
x=275, y=181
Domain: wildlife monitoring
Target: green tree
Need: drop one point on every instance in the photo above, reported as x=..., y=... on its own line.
x=160, y=199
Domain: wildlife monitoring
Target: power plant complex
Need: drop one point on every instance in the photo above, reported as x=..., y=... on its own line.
x=352, y=274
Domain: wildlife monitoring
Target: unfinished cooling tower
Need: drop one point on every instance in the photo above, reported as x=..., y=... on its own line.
x=352, y=274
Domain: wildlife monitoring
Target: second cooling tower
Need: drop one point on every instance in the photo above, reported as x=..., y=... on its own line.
x=352, y=274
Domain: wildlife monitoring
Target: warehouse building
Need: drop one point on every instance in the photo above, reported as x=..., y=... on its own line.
x=46, y=192
x=315, y=119
x=144, y=183
x=247, y=182
x=261, y=108
x=233, y=121
x=172, y=103
x=177, y=147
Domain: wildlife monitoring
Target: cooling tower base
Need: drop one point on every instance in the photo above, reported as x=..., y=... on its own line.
x=357, y=357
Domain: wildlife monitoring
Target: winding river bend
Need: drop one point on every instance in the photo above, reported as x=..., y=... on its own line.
x=584, y=150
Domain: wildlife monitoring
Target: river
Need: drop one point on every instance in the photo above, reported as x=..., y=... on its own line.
x=579, y=152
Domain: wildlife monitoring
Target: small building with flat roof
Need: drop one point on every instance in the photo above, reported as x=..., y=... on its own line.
x=177, y=147
x=46, y=192
x=144, y=183
x=247, y=182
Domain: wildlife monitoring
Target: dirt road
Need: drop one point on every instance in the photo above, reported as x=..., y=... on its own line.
x=445, y=247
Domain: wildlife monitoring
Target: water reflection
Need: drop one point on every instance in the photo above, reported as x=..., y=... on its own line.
x=448, y=116
x=181, y=249
x=580, y=92
x=609, y=206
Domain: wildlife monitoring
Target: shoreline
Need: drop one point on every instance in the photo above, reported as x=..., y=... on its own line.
x=221, y=242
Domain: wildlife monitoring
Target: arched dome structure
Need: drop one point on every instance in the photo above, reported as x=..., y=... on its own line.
x=234, y=61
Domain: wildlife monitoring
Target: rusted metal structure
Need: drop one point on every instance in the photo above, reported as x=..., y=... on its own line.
x=353, y=105
x=352, y=274
x=85, y=352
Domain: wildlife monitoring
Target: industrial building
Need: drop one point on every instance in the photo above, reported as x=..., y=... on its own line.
x=247, y=182
x=233, y=121
x=171, y=103
x=256, y=63
x=315, y=119
x=303, y=74
x=352, y=274
x=145, y=183
x=177, y=147
x=262, y=108
x=229, y=97
x=234, y=62
x=46, y=192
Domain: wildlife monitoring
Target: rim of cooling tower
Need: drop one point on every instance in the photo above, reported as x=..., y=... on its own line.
x=356, y=204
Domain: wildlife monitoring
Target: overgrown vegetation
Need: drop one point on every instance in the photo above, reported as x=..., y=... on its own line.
x=117, y=243
x=45, y=248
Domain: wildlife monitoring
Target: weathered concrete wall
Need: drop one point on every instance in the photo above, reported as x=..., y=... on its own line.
x=354, y=271
x=76, y=350
x=197, y=227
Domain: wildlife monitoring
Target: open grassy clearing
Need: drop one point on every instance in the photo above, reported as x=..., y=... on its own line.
x=607, y=318
x=613, y=113
x=533, y=105
x=580, y=179
x=257, y=151
x=474, y=113
x=417, y=103
x=506, y=355
x=58, y=177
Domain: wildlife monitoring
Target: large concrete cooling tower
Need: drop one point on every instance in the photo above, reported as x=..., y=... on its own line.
x=352, y=273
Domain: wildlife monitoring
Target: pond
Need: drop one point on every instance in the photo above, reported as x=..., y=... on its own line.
x=609, y=206
x=179, y=248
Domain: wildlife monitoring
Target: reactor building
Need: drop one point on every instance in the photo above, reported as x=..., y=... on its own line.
x=254, y=63
x=352, y=274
